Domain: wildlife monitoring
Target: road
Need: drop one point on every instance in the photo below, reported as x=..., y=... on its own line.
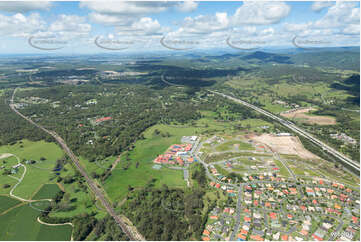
x=355, y=165
x=277, y=157
x=238, y=213
x=130, y=232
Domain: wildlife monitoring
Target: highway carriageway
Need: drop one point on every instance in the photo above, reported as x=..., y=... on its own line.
x=351, y=163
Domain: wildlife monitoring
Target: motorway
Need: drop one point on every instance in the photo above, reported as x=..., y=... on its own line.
x=129, y=231
x=355, y=165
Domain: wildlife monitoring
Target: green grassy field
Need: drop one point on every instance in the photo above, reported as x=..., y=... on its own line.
x=6, y=180
x=21, y=224
x=283, y=170
x=8, y=162
x=229, y=155
x=7, y=202
x=146, y=151
x=37, y=174
x=83, y=201
x=230, y=146
x=33, y=150
x=47, y=191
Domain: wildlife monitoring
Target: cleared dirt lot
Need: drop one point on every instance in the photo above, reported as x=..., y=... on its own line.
x=289, y=145
x=311, y=119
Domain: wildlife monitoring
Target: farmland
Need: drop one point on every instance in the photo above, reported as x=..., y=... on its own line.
x=20, y=224
x=45, y=154
x=46, y=191
x=6, y=203
x=304, y=116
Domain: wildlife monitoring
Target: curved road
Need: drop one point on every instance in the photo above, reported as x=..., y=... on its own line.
x=131, y=233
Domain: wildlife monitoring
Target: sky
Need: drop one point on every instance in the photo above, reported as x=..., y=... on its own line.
x=88, y=27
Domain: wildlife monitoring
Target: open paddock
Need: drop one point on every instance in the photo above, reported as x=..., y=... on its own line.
x=302, y=115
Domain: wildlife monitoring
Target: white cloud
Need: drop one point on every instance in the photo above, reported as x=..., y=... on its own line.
x=126, y=7
x=261, y=13
x=19, y=25
x=149, y=25
x=123, y=13
x=108, y=19
x=23, y=7
x=143, y=27
x=353, y=29
x=340, y=14
x=126, y=12
x=339, y=26
x=297, y=28
x=319, y=5
x=70, y=25
x=204, y=24
x=187, y=6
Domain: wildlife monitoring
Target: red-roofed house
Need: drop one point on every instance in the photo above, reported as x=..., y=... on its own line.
x=256, y=237
x=240, y=236
x=316, y=237
x=284, y=237
x=273, y=216
x=102, y=119
x=293, y=190
x=244, y=232
x=247, y=219
x=206, y=232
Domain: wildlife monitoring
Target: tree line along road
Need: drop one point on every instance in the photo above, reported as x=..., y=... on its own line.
x=131, y=232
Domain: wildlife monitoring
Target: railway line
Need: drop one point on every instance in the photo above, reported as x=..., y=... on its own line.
x=129, y=231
